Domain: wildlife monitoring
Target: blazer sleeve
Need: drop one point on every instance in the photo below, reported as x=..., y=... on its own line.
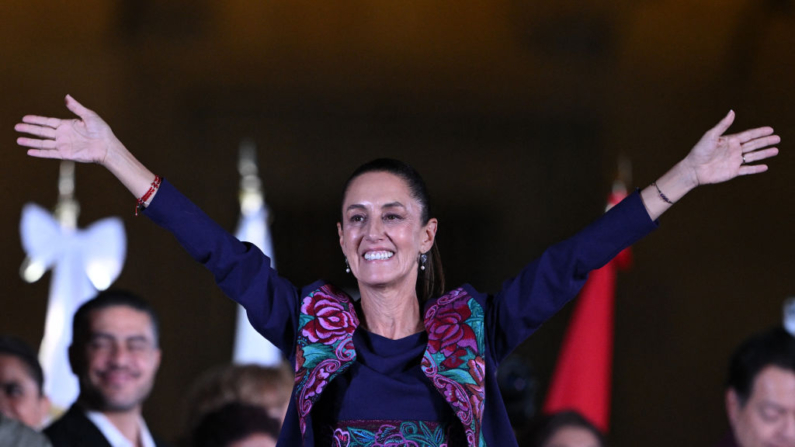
x=545, y=285
x=240, y=269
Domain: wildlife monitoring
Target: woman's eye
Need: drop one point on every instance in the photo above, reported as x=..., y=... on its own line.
x=392, y=217
x=357, y=218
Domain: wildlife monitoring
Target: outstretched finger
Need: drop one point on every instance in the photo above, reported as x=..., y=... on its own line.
x=752, y=169
x=39, y=153
x=723, y=125
x=760, y=143
x=41, y=121
x=36, y=143
x=751, y=134
x=39, y=131
x=760, y=155
x=77, y=108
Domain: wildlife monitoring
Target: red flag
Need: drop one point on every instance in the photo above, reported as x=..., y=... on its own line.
x=582, y=377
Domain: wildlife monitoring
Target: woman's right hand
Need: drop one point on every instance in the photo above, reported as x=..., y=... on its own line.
x=87, y=139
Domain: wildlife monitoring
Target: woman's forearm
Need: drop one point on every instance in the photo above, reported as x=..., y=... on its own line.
x=130, y=172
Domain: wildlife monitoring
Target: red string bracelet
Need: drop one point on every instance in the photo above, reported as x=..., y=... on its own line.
x=141, y=204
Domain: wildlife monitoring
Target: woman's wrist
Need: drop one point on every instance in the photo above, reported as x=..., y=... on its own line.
x=133, y=175
x=669, y=189
x=687, y=174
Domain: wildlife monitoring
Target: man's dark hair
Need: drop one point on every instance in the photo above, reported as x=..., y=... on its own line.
x=15, y=347
x=774, y=347
x=110, y=298
x=232, y=423
x=546, y=426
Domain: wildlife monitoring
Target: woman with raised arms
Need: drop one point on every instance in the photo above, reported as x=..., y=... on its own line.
x=411, y=362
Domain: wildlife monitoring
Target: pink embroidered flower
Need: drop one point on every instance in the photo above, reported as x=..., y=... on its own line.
x=332, y=320
x=455, y=396
x=477, y=368
x=318, y=379
x=476, y=402
x=447, y=331
x=341, y=438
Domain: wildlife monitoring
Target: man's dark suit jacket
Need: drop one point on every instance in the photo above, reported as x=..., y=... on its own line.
x=75, y=429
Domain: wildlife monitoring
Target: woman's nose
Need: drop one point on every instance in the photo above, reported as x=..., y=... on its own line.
x=375, y=229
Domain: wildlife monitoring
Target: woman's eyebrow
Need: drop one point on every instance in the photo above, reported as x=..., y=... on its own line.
x=393, y=205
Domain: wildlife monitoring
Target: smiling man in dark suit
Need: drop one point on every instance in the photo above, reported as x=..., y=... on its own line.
x=116, y=355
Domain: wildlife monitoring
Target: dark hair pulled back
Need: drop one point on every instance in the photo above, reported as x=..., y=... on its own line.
x=430, y=282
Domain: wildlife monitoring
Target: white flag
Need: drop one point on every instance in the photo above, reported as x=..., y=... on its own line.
x=250, y=345
x=82, y=262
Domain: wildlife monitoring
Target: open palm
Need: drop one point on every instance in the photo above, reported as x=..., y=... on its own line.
x=717, y=158
x=84, y=140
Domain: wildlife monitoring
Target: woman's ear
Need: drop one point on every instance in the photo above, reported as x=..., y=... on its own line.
x=339, y=233
x=429, y=235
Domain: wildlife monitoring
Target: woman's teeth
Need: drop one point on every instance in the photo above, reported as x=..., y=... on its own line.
x=378, y=255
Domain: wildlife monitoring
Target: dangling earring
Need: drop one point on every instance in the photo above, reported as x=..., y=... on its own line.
x=423, y=260
x=347, y=266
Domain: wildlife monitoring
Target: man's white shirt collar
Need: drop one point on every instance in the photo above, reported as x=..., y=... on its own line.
x=114, y=436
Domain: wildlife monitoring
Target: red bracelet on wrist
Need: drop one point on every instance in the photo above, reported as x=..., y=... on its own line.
x=141, y=203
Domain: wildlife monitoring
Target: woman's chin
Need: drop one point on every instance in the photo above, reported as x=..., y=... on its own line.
x=381, y=281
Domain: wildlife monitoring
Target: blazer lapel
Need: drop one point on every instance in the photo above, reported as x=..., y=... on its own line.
x=453, y=359
x=324, y=346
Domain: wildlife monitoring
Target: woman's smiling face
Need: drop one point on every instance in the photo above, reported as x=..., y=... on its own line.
x=382, y=233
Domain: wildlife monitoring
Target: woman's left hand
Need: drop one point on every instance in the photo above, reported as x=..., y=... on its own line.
x=717, y=158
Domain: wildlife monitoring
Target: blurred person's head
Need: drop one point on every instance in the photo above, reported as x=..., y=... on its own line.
x=760, y=395
x=115, y=351
x=565, y=429
x=267, y=387
x=236, y=425
x=21, y=383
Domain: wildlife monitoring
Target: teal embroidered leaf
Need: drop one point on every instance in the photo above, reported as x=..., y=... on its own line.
x=475, y=309
x=316, y=353
x=477, y=328
x=439, y=437
x=303, y=319
x=360, y=436
x=460, y=376
x=466, y=358
x=438, y=358
x=409, y=428
x=427, y=432
x=388, y=431
x=475, y=321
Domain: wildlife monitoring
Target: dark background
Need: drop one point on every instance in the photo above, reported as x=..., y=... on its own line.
x=515, y=112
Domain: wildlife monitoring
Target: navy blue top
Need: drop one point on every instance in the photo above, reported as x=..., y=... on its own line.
x=389, y=385
x=384, y=368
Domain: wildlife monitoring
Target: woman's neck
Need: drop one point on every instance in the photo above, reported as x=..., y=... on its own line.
x=391, y=313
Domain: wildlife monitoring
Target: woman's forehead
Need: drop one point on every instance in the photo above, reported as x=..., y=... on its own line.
x=378, y=188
